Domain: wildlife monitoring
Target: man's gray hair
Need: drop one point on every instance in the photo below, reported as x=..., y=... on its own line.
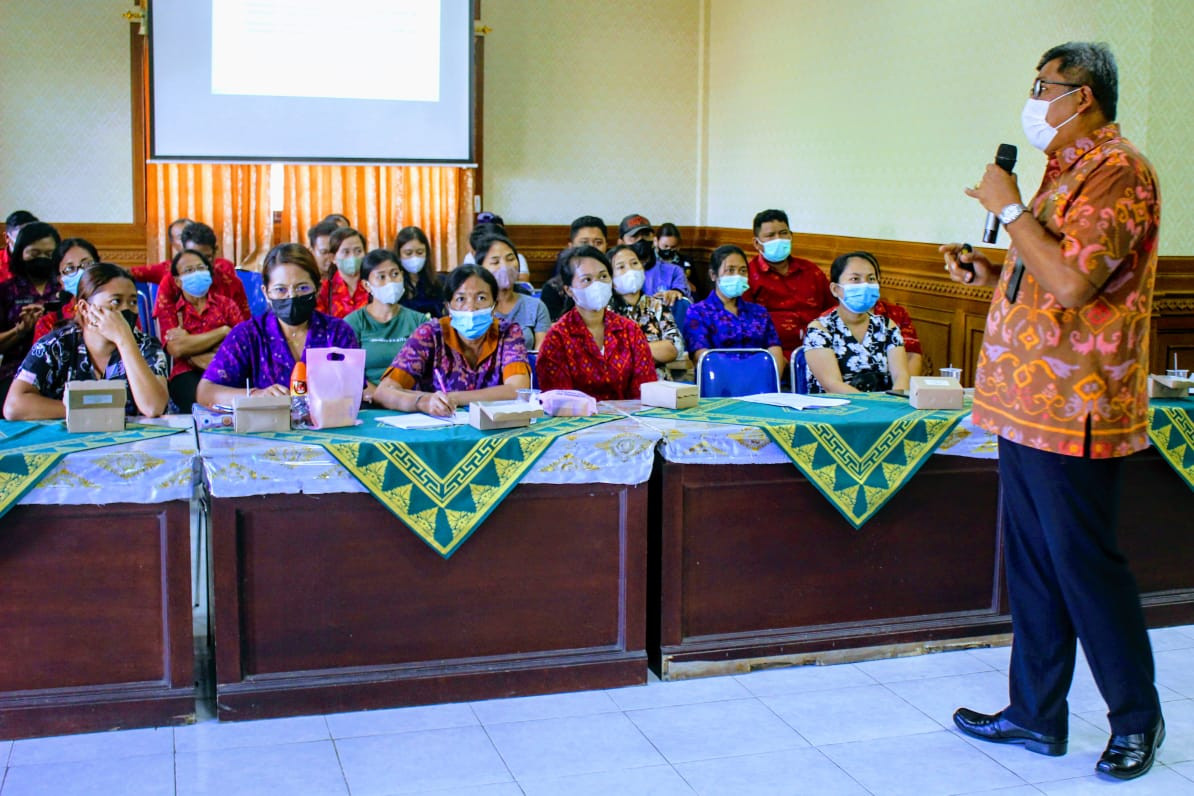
x=1091, y=64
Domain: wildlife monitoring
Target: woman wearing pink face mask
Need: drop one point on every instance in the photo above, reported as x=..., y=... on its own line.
x=498, y=256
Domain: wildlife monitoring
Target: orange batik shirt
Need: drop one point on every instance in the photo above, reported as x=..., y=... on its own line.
x=1045, y=369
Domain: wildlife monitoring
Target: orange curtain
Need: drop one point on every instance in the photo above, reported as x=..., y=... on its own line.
x=380, y=200
x=233, y=199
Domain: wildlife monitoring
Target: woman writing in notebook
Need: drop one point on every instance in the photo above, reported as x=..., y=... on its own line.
x=467, y=356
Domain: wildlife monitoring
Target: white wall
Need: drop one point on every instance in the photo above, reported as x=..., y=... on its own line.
x=868, y=118
x=591, y=107
x=860, y=117
x=66, y=110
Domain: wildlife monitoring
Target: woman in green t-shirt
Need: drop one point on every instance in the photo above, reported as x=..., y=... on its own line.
x=383, y=324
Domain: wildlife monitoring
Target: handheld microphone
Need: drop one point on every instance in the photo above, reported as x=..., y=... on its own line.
x=1005, y=158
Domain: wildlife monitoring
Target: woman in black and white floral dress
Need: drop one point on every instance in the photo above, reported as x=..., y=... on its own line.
x=852, y=350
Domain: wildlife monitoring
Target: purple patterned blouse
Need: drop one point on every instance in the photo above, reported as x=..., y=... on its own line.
x=256, y=350
x=709, y=324
x=437, y=346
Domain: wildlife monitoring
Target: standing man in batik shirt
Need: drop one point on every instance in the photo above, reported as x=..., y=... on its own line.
x=1062, y=380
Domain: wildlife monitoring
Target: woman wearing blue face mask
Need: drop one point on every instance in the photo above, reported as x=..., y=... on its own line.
x=851, y=349
x=723, y=319
x=467, y=356
x=383, y=325
x=195, y=326
x=72, y=257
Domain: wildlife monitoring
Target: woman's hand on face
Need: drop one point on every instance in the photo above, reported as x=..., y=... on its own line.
x=111, y=324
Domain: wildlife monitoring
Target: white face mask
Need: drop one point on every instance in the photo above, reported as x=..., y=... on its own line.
x=594, y=297
x=1036, y=129
x=389, y=293
x=630, y=281
x=413, y=265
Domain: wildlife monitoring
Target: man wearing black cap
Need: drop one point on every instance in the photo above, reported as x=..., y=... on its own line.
x=665, y=280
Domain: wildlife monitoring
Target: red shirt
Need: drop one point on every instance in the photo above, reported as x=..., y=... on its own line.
x=4, y=272
x=49, y=320
x=224, y=282
x=793, y=299
x=334, y=299
x=217, y=311
x=569, y=358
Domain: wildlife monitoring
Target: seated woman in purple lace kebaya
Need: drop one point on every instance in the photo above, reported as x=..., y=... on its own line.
x=260, y=353
x=469, y=355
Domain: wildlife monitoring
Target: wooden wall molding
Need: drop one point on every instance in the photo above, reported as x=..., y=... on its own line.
x=950, y=317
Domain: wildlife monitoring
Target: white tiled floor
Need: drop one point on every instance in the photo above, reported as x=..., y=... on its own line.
x=879, y=727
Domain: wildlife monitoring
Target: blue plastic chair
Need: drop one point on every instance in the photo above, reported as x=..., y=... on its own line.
x=252, y=282
x=147, y=296
x=533, y=358
x=680, y=312
x=797, y=372
x=730, y=372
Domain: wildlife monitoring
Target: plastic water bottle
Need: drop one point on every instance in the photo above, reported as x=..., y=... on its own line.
x=300, y=413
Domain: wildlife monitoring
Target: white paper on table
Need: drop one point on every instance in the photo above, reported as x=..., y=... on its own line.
x=415, y=420
x=793, y=400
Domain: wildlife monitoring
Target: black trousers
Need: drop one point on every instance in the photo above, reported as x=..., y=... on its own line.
x=1068, y=582
x=182, y=389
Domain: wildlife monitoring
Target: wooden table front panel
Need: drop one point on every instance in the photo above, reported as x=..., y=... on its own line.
x=95, y=621
x=755, y=561
x=320, y=589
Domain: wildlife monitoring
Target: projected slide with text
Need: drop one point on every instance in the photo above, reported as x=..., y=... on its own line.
x=351, y=49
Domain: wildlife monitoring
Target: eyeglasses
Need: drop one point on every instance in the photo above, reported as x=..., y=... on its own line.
x=1038, y=86
x=71, y=270
x=286, y=291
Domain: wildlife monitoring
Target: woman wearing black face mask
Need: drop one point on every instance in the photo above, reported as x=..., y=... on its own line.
x=262, y=351
x=22, y=298
x=100, y=342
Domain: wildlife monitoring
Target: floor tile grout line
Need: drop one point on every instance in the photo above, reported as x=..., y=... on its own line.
x=497, y=750
x=336, y=751
x=174, y=757
x=683, y=778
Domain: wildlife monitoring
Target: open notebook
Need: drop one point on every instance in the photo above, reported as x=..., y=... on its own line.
x=793, y=400
x=419, y=420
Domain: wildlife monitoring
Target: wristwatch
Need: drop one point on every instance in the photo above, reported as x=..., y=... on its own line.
x=1010, y=213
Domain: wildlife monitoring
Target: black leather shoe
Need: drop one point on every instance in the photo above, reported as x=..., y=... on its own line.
x=997, y=729
x=1131, y=756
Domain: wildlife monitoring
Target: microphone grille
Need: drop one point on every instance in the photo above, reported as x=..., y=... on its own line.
x=1005, y=157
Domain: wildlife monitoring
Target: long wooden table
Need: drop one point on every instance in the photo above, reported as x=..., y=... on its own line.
x=756, y=568
x=325, y=602
x=95, y=608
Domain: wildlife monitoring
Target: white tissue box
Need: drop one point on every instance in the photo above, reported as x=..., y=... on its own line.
x=489, y=415
x=669, y=394
x=1168, y=387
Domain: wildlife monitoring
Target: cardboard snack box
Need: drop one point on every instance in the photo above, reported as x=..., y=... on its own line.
x=96, y=405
